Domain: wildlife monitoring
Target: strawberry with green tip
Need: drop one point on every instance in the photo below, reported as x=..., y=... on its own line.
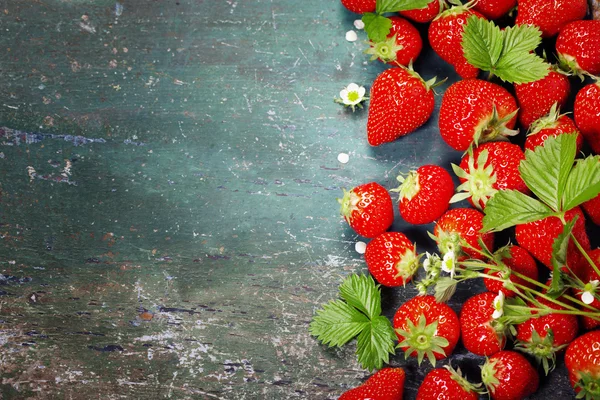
x=582, y=360
x=458, y=225
x=551, y=125
x=392, y=259
x=360, y=6
x=578, y=47
x=368, y=209
x=509, y=376
x=425, y=14
x=587, y=114
x=514, y=259
x=402, y=45
x=447, y=384
x=385, y=384
x=550, y=15
x=481, y=333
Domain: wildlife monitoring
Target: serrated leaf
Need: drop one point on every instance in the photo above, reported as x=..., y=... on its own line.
x=377, y=27
x=510, y=207
x=521, y=68
x=521, y=39
x=361, y=292
x=482, y=43
x=559, y=256
x=337, y=323
x=387, y=6
x=445, y=289
x=545, y=170
x=583, y=183
x=375, y=343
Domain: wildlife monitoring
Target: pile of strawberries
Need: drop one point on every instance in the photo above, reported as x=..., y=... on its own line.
x=478, y=117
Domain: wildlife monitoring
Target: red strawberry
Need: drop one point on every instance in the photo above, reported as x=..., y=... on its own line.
x=446, y=384
x=401, y=101
x=588, y=275
x=553, y=124
x=385, y=384
x=578, y=46
x=491, y=167
x=476, y=110
x=583, y=363
x=494, y=9
x=516, y=259
x=424, y=194
x=480, y=334
x=402, y=46
x=392, y=259
x=461, y=224
x=550, y=15
x=537, y=98
x=445, y=37
x=592, y=209
x=425, y=14
x=537, y=237
x=368, y=209
x=587, y=114
x=509, y=376
x=360, y=6
x=426, y=328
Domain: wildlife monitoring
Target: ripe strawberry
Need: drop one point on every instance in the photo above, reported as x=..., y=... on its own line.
x=592, y=209
x=491, y=167
x=426, y=328
x=385, y=384
x=368, y=209
x=426, y=14
x=481, y=335
x=392, y=259
x=516, y=259
x=577, y=46
x=587, y=114
x=537, y=237
x=494, y=9
x=537, y=98
x=402, y=46
x=476, y=110
x=461, y=224
x=446, y=384
x=583, y=363
x=550, y=15
x=401, y=101
x=553, y=124
x=360, y=6
x=509, y=376
x=588, y=274
x=424, y=194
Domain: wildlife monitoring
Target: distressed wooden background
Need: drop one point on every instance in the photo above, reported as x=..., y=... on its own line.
x=168, y=185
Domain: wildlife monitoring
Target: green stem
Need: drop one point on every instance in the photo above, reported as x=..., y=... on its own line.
x=585, y=254
x=594, y=316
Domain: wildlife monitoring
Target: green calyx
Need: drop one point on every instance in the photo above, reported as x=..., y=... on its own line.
x=458, y=377
x=457, y=8
x=348, y=203
x=448, y=242
x=422, y=339
x=547, y=121
x=408, y=264
x=384, y=50
x=543, y=349
x=569, y=64
x=409, y=186
x=488, y=375
x=494, y=128
x=479, y=180
x=589, y=387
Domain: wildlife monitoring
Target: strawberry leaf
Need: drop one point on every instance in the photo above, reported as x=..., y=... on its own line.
x=559, y=257
x=361, y=292
x=377, y=27
x=337, y=323
x=387, y=6
x=583, y=183
x=510, y=207
x=375, y=343
x=482, y=43
x=521, y=39
x=521, y=68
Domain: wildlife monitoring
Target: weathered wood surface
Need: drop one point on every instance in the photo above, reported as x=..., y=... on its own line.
x=168, y=178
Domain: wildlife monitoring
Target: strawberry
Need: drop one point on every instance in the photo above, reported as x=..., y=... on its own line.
x=401, y=101
x=426, y=328
x=477, y=111
x=550, y=15
x=553, y=124
x=516, y=259
x=368, y=209
x=392, y=259
x=538, y=237
x=587, y=275
x=360, y=6
x=445, y=37
x=402, y=46
x=537, y=98
x=587, y=114
x=424, y=194
x=494, y=9
x=577, y=47
x=480, y=334
x=385, y=384
x=461, y=224
x=490, y=167
x=446, y=383
x=509, y=376
x=426, y=14
x=583, y=363
x=592, y=209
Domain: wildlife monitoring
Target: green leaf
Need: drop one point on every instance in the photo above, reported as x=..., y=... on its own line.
x=583, y=183
x=361, y=292
x=521, y=39
x=521, y=68
x=375, y=343
x=377, y=27
x=559, y=256
x=337, y=323
x=510, y=207
x=445, y=289
x=545, y=170
x=482, y=43
x=388, y=6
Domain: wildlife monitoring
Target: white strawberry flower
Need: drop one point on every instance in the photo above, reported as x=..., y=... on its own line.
x=352, y=95
x=498, y=306
x=449, y=263
x=588, y=291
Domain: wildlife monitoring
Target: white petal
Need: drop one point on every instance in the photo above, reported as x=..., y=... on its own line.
x=361, y=92
x=497, y=314
x=351, y=36
x=343, y=158
x=360, y=247
x=587, y=297
x=358, y=24
x=344, y=95
x=353, y=87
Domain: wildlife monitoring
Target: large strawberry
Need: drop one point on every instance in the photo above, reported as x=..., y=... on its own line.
x=368, y=209
x=445, y=37
x=491, y=167
x=426, y=328
x=402, y=45
x=360, y=6
x=509, y=376
x=481, y=334
x=477, y=111
x=552, y=124
x=424, y=194
x=550, y=15
x=587, y=114
x=385, y=384
x=592, y=209
x=578, y=46
x=537, y=98
x=446, y=384
x=392, y=259
x=460, y=224
x=583, y=363
x=401, y=101
x=515, y=259
x=425, y=14
x=494, y=9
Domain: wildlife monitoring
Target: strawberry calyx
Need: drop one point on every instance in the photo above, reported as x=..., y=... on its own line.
x=429, y=84
x=569, y=64
x=458, y=377
x=488, y=375
x=479, y=181
x=448, y=242
x=349, y=203
x=588, y=386
x=422, y=339
x=384, y=50
x=542, y=349
x=408, y=264
x=456, y=9
x=494, y=128
x=547, y=121
x=409, y=186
